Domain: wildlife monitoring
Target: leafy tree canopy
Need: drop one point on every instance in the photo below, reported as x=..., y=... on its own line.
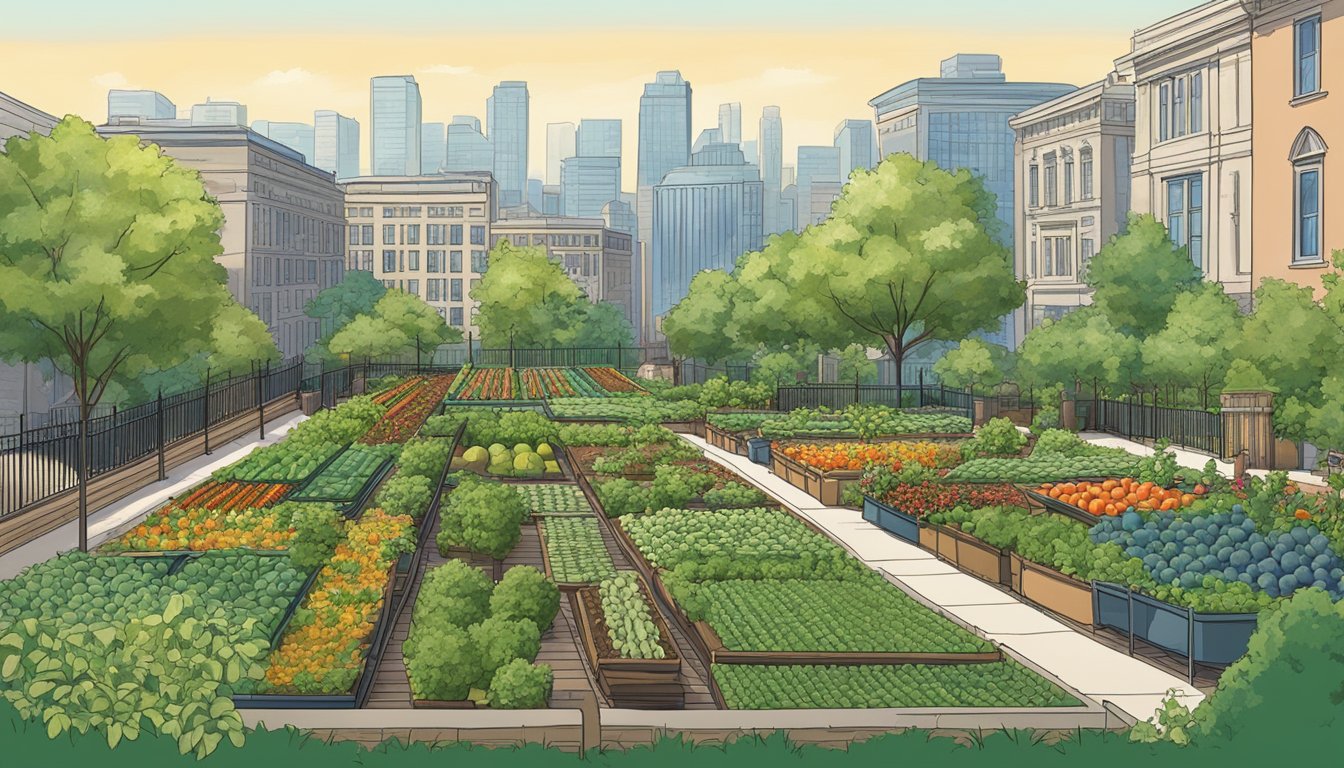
x=699, y=325
x=1197, y=345
x=854, y=363
x=1082, y=346
x=604, y=325
x=527, y=299
x=1137, y=276
x=973, y=365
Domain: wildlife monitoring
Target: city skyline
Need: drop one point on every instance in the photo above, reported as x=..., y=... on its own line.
x=816, y=75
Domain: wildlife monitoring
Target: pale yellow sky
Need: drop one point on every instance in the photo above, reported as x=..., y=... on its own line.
x=816, y=79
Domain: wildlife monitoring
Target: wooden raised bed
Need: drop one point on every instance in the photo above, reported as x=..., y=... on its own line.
x=718, y=654
x=1051, y=589
x=546, y=560
x=826, y=487
x=629, y=683
x=733, y=442
x=967, y=553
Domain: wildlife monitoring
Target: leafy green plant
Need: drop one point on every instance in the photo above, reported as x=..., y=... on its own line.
x=629, y=618
x=484, y=516
x=1043, y=468
x=719, y=392
x=997, y=437
x=733, y=496
x=526, y=593
x=318, y=529
x=622, y=497
x=633, y=410
x=405, y=495
x=425, y=458
x=1171, y=722
x=454, y=594
x=306, y=446
x=1160, y=468
x=346, y=476
x=576, y=552
x=501, y=640
x=521, y=685
x=442, y=662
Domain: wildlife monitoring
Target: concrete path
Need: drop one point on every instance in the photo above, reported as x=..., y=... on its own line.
x=1189, y=458
x=112, y=520
x=1075, y=659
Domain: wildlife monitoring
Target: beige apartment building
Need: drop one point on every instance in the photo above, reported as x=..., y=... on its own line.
x=597, y=258
x=1192, y=136
x=427, y=235
x=1071, y=167
x=1299, y=138
x=283, y=231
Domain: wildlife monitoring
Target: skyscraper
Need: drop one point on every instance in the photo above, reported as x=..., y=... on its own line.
x=589, y=183
x=599, y=138
x=433, y=147
x=857, y=145
x=394, y=139
x=467, y=149
x=730, y=123
x=818, y=183
x=146, y=105
x=296, y=136
x=707, y=137
x=664, y=127
x=336, y=143
x=560, y=144
x=772, y=167
x=506, y=121
x=224, y=113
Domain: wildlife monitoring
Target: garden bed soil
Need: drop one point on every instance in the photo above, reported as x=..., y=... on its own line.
x=826, y=487
x=629, y=683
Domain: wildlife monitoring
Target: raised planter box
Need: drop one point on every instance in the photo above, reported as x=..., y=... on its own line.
x=758, y=450
x=696, y=427
x=891, y=519
x=1052, y=590
x=718, y=654
x=1060, y=507
x=546, y=560
x=826, y=487
x=733, y=442
x=967, y=553
x=629, y=683
x=1217, y=638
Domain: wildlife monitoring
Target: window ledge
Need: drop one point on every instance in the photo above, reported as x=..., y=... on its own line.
x=1307, y=98
x=1307, y=264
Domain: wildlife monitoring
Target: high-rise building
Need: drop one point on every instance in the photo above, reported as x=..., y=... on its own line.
x=433, y=147
x=426, y=235
x=705, y=216
x=730, y=124
x=857, y=144
x=818, y=183
x=506, y=121
x=588, y=184
x=599, y=138
x=552, y=200
x=561, y=140
x=467, y=149
x=146, y=105
x=751, y=149
x=772, y=167
x=536, y=190
x=296, y=136
x=394, y=139
x=707, y=137
x=664, y=127
x=594, y=256
x=960, y=120
x=336, y=143
x=223, y=113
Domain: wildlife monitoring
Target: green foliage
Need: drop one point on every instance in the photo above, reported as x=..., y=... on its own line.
x=484, y=516
x=1160, y=468
x=1047, y=419
x=405, y=495
x=443, y=662
x=633, y=410
x=508, y=426
x=997, y=437
x=306, y=446
x=1137, y=277
x=1062, y=442
x=719, y=392
x=397, y=322
x=1044, y=468
x=337, y=305
x=854, y=364
x=501, y=640
x=1197, y=344
x=575, y=550
x=424, y=458
x=454, y=594
x=698, y=326
x=672, y=486
x=604, y=325
x=1171, y=722
x=629, y=618
x=733, y=496
x=777, y=367
x=1083, y=345
x=346, y=476
x=318, y=529
x=862, y=420
x=973, y=365
x=526, y=593
x=605, y=435
x=521, y=685
x=526, y=299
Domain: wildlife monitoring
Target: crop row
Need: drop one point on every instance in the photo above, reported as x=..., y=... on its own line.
x=404, y=419
x=636, y=410
x=485, y=384
x=308, y=445
x=554, y=498
x=853, y=457
x=576, y=552
x=197, y=529
x=233, y=495
x=344, y=477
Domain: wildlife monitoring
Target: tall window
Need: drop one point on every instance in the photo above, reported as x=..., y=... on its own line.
x=1034, y=185
x=412, y=234
x=389, y=261
x=1308, y=158
x=1197, y=102
x=1307, y=51
x=1051, y=180
x=413, y=261
x=1057, y=259
x=455, y=290
x=479, y=261
x=366, y=234
x=478, y=235
x=455, y=234
x=1180, y=106
x=1085, y=166
x=455, y=316
x=1164, y=112
x=1068, y=179
x=434, y=261
x=389, y=234
x=454, y=261
x=1185, y=215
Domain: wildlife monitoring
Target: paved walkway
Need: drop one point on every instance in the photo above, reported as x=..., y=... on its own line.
x=1189, y=458
x=110, y=521
x=1074, y=658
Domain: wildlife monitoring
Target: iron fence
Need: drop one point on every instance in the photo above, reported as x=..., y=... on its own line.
x=837, y=396
x=1197, y=430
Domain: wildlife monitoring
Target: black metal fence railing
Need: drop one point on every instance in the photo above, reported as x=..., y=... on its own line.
x=836, y=396
x=1197, y=430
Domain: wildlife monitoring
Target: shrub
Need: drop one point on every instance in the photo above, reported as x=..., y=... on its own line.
x=526, y=593
x=499, y=641
x=442, y=426
x=318, y=529
x=509, y=427
x=721, y=393
x=454, y=594
x=520, y=685
x=605, y=435
x=1061, y=442
x=622, y=497
x=674, y=486
x=442, y=662
x=733, y=496
x=425, y=458
x=484, y=516
x=1045, y=419
x=997, y=437
x=405, y=495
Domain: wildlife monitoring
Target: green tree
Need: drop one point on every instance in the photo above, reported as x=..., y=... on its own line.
x=604, y=325
x=1196, y=347
x=974, y=364
x=910, y=254
x=107, y=262
x=399, y=323
x=527, y=300
x=781, y=367
x=368, y=336
x=854, y=364
x=1137, y=276
x=700, y=325
x=1082, y=346
x=336, y=306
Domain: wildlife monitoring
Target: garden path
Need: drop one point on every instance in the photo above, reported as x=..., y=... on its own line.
x=1073, y=657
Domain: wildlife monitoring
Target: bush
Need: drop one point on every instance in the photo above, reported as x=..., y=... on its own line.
x=454, y=594
x=1046, y=418
x=605, y=435
x=1061, y=442
x=520, y=685
x=318, y=529
x=510, y=427
x=997, y=437
x=526, y=593
x=622, y=497
x=500, y=641
x=484, y=516
x=721, y=393
x=674, y=486
x=734, y=496
x=442, y=662
x=405, y=495
x=425, y=458
x=442, y=426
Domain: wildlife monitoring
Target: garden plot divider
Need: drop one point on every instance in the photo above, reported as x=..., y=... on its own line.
x=1216, y=639
x=629, y=683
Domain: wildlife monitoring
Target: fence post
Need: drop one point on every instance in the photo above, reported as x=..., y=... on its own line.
x=921, y=391
x=470, y=356
x=620, y=355
x=21, y=474
x=511, y=365
x=205, y=407
x=158, y=418
x=417, y=354
x=261, y=403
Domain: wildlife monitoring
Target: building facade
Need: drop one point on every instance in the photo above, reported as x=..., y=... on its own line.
x=394, y=138
x=1072, y=184
x=561, y=140
x=705, y=216
x=819, y=182
x=146, y=105
x=1298, y=142
x=468, y=150
x=507, y=120
x=1192, y=136
x=771, y=163
x=960, y=120
x=221, y=113
x=588, y=184
x=857, y=142
x=336, y=143
x=299, y=137
x=426, y=235
x=598, y=138
x=596, y=257
x=730, y=124
x=433, y=147
x=283, y=233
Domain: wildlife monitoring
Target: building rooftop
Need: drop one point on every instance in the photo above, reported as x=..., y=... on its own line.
x=975, y=80
x=182, y=133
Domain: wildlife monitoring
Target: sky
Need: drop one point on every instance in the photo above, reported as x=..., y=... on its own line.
x=581, y=59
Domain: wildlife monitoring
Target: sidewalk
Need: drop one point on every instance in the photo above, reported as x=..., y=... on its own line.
x=1189, y=458
x=110, y=521
x=1098, y=672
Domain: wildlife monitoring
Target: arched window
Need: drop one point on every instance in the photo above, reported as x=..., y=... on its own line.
x=1308, y=159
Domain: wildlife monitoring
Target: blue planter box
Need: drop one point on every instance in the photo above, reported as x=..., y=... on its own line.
x=758, y=450
x=1219, y=638
x=891, y=520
